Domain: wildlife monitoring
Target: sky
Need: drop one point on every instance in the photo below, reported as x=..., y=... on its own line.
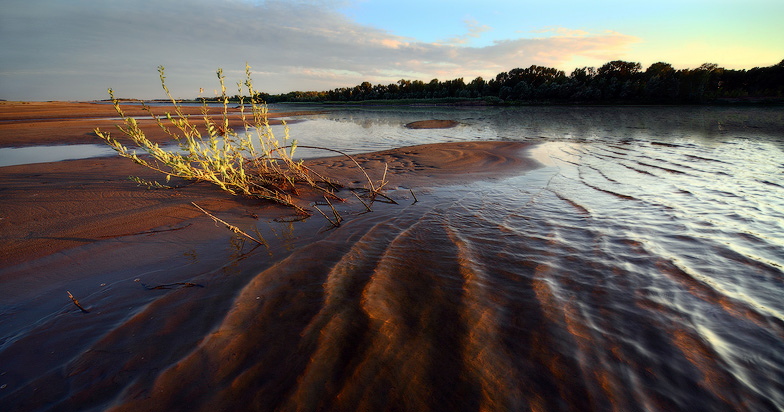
x=77, y=49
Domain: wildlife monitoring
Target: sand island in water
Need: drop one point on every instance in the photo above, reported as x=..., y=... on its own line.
x=172, y=318
x=432, y=124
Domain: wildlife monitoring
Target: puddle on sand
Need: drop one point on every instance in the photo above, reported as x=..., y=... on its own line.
x=12, y=156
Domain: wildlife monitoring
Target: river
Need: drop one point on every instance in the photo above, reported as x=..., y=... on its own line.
x=640, y=268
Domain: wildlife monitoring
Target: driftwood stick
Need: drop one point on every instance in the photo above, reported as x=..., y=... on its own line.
x=233, y=228
x=387, y=198
x=362, y=201
x=383, y=178
x=148, y=232
x=172, y=285
x=76, y=302
x=412, y=194
x=334, y=224
x=338, y=218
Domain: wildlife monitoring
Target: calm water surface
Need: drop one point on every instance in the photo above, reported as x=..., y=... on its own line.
x=640, y=269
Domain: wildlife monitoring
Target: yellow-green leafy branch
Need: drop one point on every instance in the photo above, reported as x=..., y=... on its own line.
x=253, y=164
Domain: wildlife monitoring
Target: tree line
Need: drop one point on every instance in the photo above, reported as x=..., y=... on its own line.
x=613, y=83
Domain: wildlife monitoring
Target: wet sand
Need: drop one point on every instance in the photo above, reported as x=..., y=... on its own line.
x=81, y=226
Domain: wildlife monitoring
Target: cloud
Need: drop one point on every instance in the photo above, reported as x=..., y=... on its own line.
x=562, y=31
x=474, y=31
x=74, y=50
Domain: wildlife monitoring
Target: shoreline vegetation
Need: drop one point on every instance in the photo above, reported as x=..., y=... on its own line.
x=614, y=83
x=252, y=162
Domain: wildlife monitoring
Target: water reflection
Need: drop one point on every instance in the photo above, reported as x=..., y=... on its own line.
x=584, y=122
x=362, y=129
x=10, y=156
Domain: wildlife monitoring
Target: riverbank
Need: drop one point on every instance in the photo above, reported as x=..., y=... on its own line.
x=25, y=124
x=80, y=228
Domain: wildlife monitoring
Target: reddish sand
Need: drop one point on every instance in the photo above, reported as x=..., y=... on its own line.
x=49, y=123
x=75, y=225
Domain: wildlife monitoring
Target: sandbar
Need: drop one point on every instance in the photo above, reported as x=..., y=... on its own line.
x=81, y=225
x=432, y=124
x=56, y=123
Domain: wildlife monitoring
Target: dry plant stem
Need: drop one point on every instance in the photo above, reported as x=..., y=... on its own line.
x=76, y=302
x=386, y=198
x=234, y=229
x=326, y=181
x=412, y=194
x=384, y=177
x=172, y=285
x=362, y=201
x=338, y=218
x=334, y=224
x=370, y=182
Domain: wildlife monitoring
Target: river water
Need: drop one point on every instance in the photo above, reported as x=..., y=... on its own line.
x=641, y=268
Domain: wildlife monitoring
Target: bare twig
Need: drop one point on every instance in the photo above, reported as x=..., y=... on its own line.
x=338, y=218
x=387, y=199
x=76, y=302
x=148, y=232
x=328, y=182
x=412, y=194
x=370, y=182
x=362, y=201
x=384, y=177
x=172, y=285
x=334, y=224
x=233, y=228
x=373, y=195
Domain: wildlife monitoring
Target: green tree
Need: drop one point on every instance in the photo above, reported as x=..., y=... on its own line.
x=619, y=69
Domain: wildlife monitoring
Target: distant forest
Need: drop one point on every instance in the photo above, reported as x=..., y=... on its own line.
x=617, y=82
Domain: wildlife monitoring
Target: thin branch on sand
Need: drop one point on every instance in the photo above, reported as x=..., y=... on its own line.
x=338, y=218
x=362, y=201
x=76, y=302
x=370, y=181
x=333, y=223
x=233, y=228
x=172, y=285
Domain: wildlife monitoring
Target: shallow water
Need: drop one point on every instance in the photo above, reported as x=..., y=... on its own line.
x=641, y=268
x=11, y=156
